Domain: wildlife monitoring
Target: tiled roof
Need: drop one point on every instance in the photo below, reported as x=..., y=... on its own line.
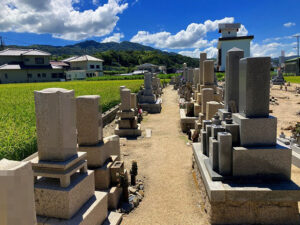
x=82, y=59
x=10, y=67
x=19, y=52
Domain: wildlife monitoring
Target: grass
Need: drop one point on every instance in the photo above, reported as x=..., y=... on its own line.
x=17, y=113
x=133, y=77
x=292, y=79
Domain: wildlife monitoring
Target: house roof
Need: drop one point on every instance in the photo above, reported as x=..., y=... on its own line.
x=148, y=64
x=20, y=52
x=292, y=60
x=10, y=67
x=82, y=58
x=58, y=63
x=22, y=66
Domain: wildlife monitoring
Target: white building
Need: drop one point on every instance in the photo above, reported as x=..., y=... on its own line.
x=229, y=40
x=84, y=66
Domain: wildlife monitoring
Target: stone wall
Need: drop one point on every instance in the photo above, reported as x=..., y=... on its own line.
x=110, y=115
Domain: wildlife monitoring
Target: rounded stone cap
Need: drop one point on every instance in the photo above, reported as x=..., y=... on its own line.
x=89, y=97
x=55, y=90
x=6, y=164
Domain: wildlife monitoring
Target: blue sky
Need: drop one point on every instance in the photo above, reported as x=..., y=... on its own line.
x=187, y=27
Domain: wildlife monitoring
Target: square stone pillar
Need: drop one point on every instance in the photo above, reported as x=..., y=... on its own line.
x=17, y=205
x=196, y=76
x=148, y=81
x=254, y=86
x=55, y=124
x=133, y=101
x=89, y=120
x=208, y=72
x=232, y=78
x=225, y=153
x=125, y=100
x=202, y=59
x=207, y=95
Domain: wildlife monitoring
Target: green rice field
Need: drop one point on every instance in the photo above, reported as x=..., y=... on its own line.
x=17, y=113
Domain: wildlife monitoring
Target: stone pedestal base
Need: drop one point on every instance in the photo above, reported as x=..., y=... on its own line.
x=128, y=132
x=93, y=212
x=52, y=200
x=243, y=202
x=186, y=123
x=97, y=155
x=152, y=107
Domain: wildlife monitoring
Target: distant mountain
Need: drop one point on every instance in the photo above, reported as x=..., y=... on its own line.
x=127, y=54
x=89, y=47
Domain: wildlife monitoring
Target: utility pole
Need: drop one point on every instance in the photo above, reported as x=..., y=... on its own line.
x=1, y=43
x=298, y=60
x=297, y=36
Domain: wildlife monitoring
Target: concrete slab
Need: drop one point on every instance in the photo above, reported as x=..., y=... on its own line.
x=93, y=212
x=58, y=165
x=242, y=190
x=113, y=218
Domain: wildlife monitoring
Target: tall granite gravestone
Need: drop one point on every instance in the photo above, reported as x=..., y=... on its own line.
x=146, y=99
x=232, y=82
x=242, y=168
x=203, y=57
x=127, y=124
x=16, y=193
x=103, y=154
x=64, y=189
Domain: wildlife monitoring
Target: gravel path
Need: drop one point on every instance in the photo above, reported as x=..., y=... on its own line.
x=165, y=165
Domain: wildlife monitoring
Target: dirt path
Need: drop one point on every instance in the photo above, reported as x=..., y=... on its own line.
x=165, y=165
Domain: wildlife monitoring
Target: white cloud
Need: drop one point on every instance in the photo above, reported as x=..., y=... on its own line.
x=289, y=24
x=271, y=49
x=192, y=37
x=116, y=37
x=95, y=2
x=59, y=18
x=211, y=52
x=242, y=31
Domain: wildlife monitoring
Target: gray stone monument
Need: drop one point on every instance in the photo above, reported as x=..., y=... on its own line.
x=146, y=99
x=102, y=153
x=240, y=164
x=128, y=125
x=64, y=189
